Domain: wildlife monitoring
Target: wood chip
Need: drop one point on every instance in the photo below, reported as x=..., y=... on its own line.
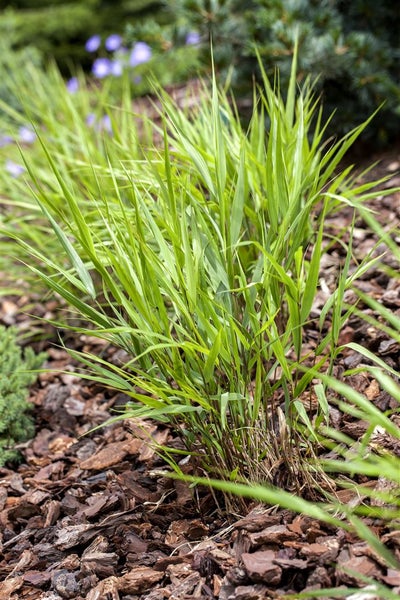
x=111, y=455
x=260, y=567
x=138, y=580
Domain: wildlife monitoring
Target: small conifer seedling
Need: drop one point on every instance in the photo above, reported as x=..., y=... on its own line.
x=16, y=375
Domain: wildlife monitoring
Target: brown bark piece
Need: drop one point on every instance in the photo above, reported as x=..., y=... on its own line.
x=392, y=577
x=319, y=577
x=251, y=592
x=291, y=563
x=257, y=520
x=320, y=552
x=103, y=564
x=111, y=455
x=138, y=580
x=147, y=451
x=37, y=578
x=52, y=512
x=393, y=537
x=260, y=567
x=298, y=525
x=184, y=493
x=96, y=559
x=72, y=535
x=178, y=571
x=276, y=534
x=108, y=588
x=9, y=586
x=189, y=588
x=347, y=571
x=185, y=530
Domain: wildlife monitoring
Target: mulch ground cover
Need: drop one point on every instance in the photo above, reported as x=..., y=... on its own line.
x=87, y=515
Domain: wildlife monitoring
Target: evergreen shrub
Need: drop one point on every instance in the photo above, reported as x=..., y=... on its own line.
x=16, y=375
x=12, y=62
x=351, y=47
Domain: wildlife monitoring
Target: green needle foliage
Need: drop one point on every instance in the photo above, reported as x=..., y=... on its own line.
x=16, y=375
x=352, y=47
x=199, y=256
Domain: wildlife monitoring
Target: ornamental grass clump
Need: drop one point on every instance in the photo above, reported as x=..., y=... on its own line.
x=201, y=260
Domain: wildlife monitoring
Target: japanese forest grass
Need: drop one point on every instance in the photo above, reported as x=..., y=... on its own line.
x=199, y=256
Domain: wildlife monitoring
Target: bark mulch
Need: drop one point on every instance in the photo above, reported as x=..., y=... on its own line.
x=86, y=514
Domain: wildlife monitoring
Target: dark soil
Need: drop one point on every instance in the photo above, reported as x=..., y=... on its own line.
x=87, y=515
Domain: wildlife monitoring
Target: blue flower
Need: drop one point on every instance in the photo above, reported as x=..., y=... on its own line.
x=106, y=124
x=192, y=38
x=103, y=124
x=141, y=53
x=113, y=42
x=14, y=168
x=90, y=119
x=73, y=85
x=102, y=67
x=26, y=135
x=116, y=68
x=5, y=140
x=93, y=43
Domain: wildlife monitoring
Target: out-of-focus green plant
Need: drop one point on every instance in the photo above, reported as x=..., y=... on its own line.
x=59, y=29
x=79, y=123
x=11, y=62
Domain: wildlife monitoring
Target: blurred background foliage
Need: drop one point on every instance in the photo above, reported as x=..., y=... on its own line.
x=352, y=46
x=59, y=28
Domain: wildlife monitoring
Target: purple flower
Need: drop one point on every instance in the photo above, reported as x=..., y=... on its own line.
x=90, y=119
x=113, y=42
x=116, y=68
x=73, y=85
x=5, y=140
x=14, y=168
x=141, y=53
x=26, y=135
x=102, y=67
x=103, y=124
x=192, y=38
x=93, y=43
x=106, y=124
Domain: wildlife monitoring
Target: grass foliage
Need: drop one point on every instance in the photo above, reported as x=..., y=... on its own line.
x=199, y=256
